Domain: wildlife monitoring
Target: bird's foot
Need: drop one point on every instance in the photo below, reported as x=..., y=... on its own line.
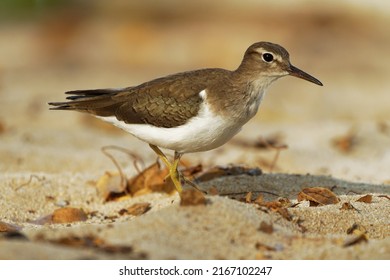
x=172, y=167
x=175, y=175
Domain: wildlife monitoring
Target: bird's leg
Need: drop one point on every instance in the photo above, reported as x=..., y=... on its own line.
x=175, y=176
x=173, y=173
x=160, y=154
x=181, y=176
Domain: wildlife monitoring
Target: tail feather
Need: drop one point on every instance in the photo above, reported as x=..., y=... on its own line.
x=78, y=94
x=95, y=101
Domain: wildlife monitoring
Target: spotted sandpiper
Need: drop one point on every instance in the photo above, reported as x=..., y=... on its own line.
x=191, y=111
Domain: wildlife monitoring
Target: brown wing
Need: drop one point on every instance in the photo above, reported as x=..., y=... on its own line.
x=166, y=102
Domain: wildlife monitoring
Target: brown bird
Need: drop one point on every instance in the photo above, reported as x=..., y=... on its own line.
x=192, y=111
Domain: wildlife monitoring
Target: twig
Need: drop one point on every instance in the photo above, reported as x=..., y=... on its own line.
x=40, y=179
x=132, y=155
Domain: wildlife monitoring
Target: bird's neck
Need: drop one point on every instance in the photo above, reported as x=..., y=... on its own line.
x=253, y=88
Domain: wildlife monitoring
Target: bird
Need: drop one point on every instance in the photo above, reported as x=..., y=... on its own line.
x=192, y=111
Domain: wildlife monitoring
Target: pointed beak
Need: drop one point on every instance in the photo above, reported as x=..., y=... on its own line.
x=294, y=71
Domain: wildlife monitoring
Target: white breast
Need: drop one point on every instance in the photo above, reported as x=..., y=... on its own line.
x=257, y=90
x=205, y=132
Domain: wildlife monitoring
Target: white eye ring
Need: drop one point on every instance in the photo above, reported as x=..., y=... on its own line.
x=267, y=57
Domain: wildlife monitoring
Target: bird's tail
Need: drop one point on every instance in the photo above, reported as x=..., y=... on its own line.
x=95, y=101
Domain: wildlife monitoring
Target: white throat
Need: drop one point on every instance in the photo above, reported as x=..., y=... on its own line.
x=257, y=89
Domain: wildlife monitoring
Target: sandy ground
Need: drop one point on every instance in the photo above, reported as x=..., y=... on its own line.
x=53, y=160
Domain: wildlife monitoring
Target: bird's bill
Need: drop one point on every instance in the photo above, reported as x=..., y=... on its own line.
x=294, y=71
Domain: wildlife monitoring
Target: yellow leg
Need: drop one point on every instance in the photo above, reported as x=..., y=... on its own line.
x=173, y=173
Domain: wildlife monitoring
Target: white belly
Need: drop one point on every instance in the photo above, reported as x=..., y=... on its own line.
x=202, y=133
x=205, y=132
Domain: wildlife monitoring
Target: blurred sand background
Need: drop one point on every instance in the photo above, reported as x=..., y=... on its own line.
x=48, y=47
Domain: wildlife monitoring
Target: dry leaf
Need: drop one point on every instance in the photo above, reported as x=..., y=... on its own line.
x=266, y=227
x=248, y=197
x=345, y=143
x=273, y=205
x=68, y=215
x=285, y=213
x=259, y=199
x=192, y=197
x=191, y=171
x=284, y=201
x=5, y=227
x=347, y=206
x=110, y=186
x=278, y=206
x=366, y=199
x=318, y=196
x=138, y=208
x=152, y=179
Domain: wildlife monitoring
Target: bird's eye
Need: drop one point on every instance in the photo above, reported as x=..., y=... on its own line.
x=268, y=57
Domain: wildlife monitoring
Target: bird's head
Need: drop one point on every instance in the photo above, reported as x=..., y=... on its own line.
x=272, y=61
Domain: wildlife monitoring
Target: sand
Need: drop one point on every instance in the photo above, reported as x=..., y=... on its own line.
x=338, y=137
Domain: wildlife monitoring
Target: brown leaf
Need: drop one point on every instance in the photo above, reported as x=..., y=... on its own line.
x=266, y=227
x=259, y=199
x=68, y=215
x=191, y=171
x=347, y=206
x=278, y=206
x=345, y=143
x=138, y=208
x=318, y=196
x=366, y=199
x=152, y=179
x=5, y=227
x=284, y=201
x=110, y=186
x=285, y=213
x=273, y=205
x=192, y=197
x=248, y=197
